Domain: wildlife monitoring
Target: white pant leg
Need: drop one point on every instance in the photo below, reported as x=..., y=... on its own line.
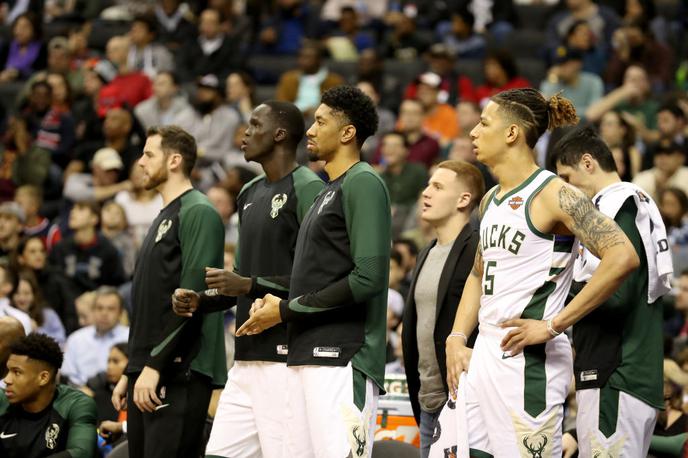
x=324, y=421
x=635, y=422
x=251, y=412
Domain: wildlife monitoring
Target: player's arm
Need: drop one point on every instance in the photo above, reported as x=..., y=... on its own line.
x=368, y=219
x=202, y=239
x=81, y=437
x=569, y=207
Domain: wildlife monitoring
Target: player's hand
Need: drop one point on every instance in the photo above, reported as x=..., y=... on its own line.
x=119, y=394
x=185, y=302
x=108, y=427
x=227, y=282
x=458, y=360
x=569, y=445
x=265, y=314
x=526, y=332
x=145, y=396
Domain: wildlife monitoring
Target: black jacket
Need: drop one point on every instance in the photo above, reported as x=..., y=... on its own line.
x=450, y=287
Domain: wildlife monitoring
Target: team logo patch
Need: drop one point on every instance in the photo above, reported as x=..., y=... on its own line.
x=163, y=227
x=515, y=202
x=51, y=436
x=328, y=197
x=612, y=449
x=278, y=201
x=357, y=424
x=535, y=443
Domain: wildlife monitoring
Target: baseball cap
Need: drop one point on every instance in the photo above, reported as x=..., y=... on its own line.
x=564, y=54
x=210, y=81
x=431, y=79
x=441, y=50
x=107, y=159
x=14, y=209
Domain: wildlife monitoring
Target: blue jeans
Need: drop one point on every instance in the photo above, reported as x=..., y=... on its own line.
x=428, y=421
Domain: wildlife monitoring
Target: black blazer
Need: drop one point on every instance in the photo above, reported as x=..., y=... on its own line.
x=450, y=287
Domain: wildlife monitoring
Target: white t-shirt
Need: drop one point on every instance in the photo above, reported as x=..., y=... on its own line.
x=7, y=310
x=139, y=214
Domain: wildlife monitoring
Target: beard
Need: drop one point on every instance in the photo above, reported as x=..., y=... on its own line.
x=156, y=179
x=204, y=107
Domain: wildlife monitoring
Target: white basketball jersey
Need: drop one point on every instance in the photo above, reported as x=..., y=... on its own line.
x=526, y=274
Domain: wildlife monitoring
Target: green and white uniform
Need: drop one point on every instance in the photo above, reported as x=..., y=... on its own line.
x=619, y=346
x=514, y=404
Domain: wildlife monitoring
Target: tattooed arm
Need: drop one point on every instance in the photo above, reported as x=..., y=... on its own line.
x=565, y=205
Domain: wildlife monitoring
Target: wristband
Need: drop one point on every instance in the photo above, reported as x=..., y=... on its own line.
x=459, y=334
x=550, y=328
x=211, y=292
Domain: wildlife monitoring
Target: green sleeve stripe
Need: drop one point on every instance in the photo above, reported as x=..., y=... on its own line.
x=307, y=185
x=268, y=284
x=475, y=453
x=156, y=351
x=296, y=306
x=531, y=226
x=245, y=187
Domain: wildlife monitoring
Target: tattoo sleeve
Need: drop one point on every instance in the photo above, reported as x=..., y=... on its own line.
x=477, y=270
x=595, y=230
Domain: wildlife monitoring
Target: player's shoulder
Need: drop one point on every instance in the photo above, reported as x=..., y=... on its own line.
x=4, y=403
x=362, y=176
x=303, y=176
x=70, y=402
x=245, y=188
x=196, y=202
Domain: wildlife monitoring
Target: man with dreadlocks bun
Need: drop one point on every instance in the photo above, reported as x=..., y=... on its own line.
x=521, y=365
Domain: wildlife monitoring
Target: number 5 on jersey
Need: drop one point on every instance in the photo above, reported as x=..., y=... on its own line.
x=488, y=281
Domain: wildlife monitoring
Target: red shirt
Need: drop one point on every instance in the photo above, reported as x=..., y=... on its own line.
x=485, y=91
x=129, y=89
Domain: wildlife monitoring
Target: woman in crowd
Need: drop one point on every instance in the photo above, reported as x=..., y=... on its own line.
x=26, y=296
x=25, y=53
x=100, y=386
x=620, y=138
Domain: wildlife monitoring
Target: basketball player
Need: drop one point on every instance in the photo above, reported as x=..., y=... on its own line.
x=618, y=366
x=519, y=376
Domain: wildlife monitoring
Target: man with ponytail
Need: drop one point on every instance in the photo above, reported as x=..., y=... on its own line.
x=518, y=378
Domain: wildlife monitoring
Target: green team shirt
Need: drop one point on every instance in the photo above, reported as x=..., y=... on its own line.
x=337, y=307
x=185, y=238
x=65, y=429
x=620, y=344
x=270, y=215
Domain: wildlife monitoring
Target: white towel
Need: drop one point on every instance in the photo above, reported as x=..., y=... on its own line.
x=652, y=231
x=451, y=434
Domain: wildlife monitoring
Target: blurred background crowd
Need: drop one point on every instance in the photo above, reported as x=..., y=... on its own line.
x=82, y=80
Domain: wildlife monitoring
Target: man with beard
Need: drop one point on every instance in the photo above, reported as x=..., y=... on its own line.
x=337, y=307
x=210, y=122
x=251, y=411
x=174, y=362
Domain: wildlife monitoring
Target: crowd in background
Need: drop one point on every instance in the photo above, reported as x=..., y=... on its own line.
x=82, y=80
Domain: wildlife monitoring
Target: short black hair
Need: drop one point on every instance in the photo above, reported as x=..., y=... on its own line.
x=123, y=347
x=673, y=108
x=149, y=21
x=395, y=256
x=42, y=83
x=357, y=107
x=413, y=248
x=398, y=133
x=39, y=347
x=176, y=139
x=583, y=140
x=289, y=117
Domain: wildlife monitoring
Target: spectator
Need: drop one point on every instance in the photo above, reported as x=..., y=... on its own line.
x=85, y=305
x=12, y=220
x=386, y=120
x=166, y=103
x=25, y=53
x=48, y=418
x=31, y=255
x=403, y=42
x=619, y=136
x=500, y=73
x=57, y=132
x=102, y=183
x=460, y=37
x=566, y=75
x=87, y=258
x=11, y=330
x=283, y=31
x=439, y=119
x=240, y=91
x=89, y=124
x=6, y=309
x=602, y=21
x=210, y=121
x=634, y=44
x=404, y=180
x=634, y=97
x=671, y=124
x=30, y=199
x=26, y=296
x=422, y=148
x=673, y=204
x=672, y=421
x=38, y=104
x=469, y=116
x=462, y=150
x=304, y=86
x=346, y=40
x=669, y=170
x=580, y=37
x=646, y=10
x=140, y=205
x=174, y=23
x=145, y=55
x=370, y=10
x=371, y=68
x=115, y=228
x=224, y=203
x=128, y=87
x=100, y=386
x=87, y=349
x=454, y=87
x=211, y=53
